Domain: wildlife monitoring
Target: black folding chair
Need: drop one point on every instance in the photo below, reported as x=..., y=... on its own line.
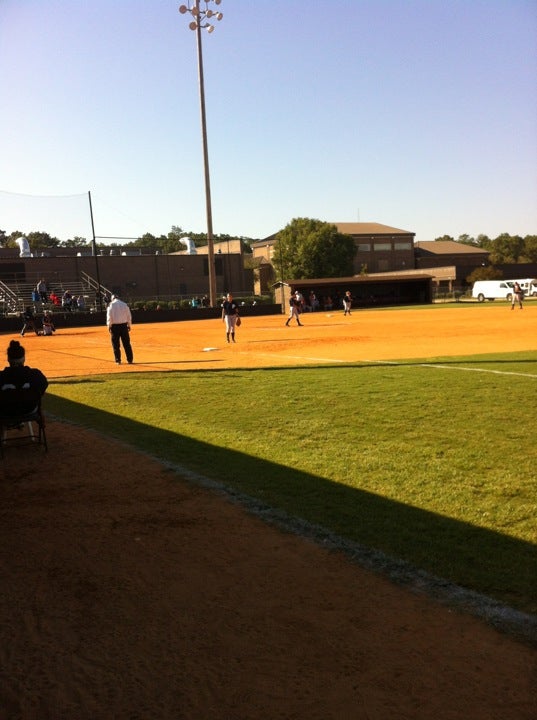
x=20, y=415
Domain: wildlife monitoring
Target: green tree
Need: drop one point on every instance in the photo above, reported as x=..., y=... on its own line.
x=506, y=249
x=40, y=241
x=10, y=241
x=530, y=248
x=147, y=241
x=75, y=242
x=308, y=248
x=466, y=239
x=483, y=241
x=484, y=273
x=444, y=238
x=173, y=242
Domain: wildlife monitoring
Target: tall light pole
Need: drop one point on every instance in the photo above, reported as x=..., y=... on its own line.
x=94, y=251
x=200, y=18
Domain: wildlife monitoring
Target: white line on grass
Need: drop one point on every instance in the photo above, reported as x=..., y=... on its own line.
x=396, y=362
x=482, y=370
x=450, y=367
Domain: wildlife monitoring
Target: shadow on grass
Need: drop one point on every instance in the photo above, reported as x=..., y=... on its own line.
x=480, y=570
x=369, y=364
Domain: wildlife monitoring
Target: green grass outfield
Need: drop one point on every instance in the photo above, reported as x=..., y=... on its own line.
x=432, y=462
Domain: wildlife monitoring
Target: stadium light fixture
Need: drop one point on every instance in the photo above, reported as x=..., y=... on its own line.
x=200, y=21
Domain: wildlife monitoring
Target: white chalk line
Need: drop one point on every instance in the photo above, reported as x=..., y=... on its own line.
x=400, y=364
x=439, y=366
x=481, y=370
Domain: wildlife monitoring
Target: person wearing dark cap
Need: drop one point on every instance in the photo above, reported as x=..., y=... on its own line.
x=294, y=308
x=17, y=375
x=119, y=321
x=518, y=296
x=29, y=321
x=230, y=316
x=48, y=324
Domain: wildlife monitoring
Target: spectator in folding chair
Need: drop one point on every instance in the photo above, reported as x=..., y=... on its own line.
x=21, y=389
x=17, y=375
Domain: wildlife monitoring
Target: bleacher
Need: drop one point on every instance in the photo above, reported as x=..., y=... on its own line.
x=16, y=296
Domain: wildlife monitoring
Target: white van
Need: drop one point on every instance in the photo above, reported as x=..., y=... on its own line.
x=493, y=289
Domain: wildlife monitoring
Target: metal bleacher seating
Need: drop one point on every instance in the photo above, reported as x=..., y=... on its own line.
x=16, y=296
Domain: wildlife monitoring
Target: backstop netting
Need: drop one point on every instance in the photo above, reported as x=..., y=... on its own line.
x=62, y=216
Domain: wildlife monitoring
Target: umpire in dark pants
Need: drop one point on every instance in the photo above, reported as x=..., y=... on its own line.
x=119, y=320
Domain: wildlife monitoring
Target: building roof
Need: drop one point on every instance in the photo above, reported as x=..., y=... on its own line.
x=365, y=229
x=369, y=229
x=448, y=247
x=370, y=278
x=229, y=245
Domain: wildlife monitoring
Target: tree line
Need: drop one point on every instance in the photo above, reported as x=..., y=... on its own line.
x=40, y=241
x=305, y=248
x=504, y=249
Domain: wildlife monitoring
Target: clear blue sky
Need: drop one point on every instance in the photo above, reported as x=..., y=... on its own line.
x=419, y=114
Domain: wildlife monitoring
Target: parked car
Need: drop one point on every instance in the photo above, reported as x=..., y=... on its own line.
x=493, y=290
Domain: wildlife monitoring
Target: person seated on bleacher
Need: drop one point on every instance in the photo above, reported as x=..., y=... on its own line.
x=54, y=299
x=67, y=300
x=18, y=376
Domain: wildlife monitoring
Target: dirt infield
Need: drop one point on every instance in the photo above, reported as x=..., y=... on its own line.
x=128, y=594
x=265, y=341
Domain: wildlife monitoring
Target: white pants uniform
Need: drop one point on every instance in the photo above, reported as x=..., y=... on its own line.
x=230, y=323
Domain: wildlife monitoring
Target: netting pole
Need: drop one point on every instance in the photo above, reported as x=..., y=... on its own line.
x=94, y=247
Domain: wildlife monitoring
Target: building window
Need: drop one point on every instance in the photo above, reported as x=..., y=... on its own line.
x=363, y=247
x=382, y=247
x=402, y=245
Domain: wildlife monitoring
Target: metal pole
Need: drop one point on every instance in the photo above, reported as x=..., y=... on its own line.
x=210, y=243
x=94, y=249
x=281, y=276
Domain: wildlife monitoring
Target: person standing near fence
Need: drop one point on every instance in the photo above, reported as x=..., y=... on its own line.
x=42, y=290
x=119, y=321
x=347, y=303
